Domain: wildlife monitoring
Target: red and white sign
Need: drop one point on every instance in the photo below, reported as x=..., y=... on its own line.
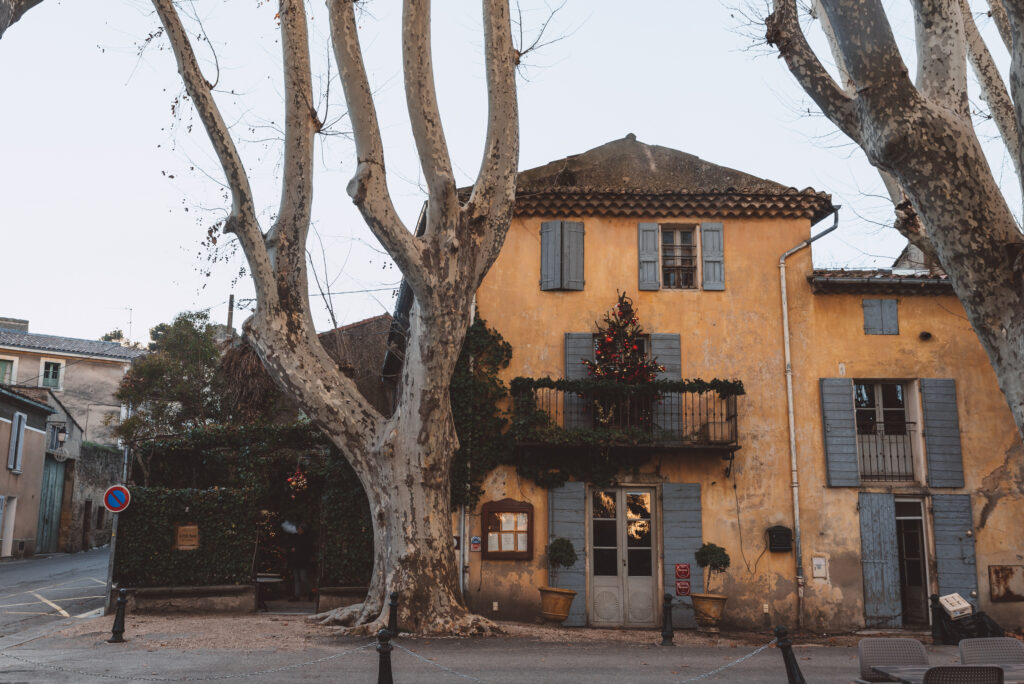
x=682, y=571
x=116, y=498
x=474, y=543
x=682, y=587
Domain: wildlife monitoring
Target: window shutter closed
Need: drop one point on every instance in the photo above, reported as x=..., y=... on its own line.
x=840, y=432
x=647, y=247
x=668, y=413
x=712, y=249
x=941, y=433
x=17, y=442
x=551, y=255
x=890, y=317
x=880, y=560
x=572, y=255
x=567, y=507
x=881, y=316
x=681, y=522
x=954, y=549
x=578, y=410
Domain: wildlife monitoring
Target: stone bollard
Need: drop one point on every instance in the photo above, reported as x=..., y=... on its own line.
x=384, y=648
x=393, y=614
x=117, y=633
x=666, y=621
x=793, y=673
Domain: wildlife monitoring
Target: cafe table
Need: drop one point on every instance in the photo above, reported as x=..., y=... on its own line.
x=914, y=674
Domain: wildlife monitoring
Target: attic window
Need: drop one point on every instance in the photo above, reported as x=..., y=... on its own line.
x=507, y=530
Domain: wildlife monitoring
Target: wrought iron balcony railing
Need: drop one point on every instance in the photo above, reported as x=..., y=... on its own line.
x=685, y=413
x=886, y=451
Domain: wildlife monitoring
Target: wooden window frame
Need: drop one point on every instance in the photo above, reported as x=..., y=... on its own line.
x=676, y=229
x=506, y=506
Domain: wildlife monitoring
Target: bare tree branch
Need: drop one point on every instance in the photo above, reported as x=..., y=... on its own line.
x=784, y=32
x=368, y=188
x=12, y=10
x=1015, y=18
x=242, y=220
x=427, y=131
x=997, y=10
x=941, y=53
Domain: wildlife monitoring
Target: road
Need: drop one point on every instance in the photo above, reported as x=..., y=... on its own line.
x=38, y=591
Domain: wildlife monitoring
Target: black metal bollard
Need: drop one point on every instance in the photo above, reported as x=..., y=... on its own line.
x=393, y=614
x=793, y=673
x=384, y=648
x=117, y=633
x=666, y=621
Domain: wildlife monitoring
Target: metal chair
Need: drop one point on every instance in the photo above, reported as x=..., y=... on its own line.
x=991, y=651
x=888, y=651
x=963, y=674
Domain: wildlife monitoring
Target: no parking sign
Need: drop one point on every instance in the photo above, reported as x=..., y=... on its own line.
x=116, y=498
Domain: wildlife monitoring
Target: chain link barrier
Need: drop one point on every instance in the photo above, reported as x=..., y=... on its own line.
x=728, y=665
x=203, y=678
x=439, y=666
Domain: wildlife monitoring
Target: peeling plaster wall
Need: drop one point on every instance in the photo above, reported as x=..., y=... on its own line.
x=737, y=334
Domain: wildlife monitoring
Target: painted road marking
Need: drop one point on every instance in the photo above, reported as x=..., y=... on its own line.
x=50, y=603
x=91, y=614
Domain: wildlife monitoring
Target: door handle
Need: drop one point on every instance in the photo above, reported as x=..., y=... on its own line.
x=623, y=562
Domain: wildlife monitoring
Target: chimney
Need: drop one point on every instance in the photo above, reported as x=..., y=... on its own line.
x=14, y=324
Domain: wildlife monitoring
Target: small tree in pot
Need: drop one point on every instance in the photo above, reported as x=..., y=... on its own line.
x=555, y=603
x=707, y=607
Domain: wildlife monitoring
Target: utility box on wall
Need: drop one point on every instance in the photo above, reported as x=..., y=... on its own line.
x=780, y=538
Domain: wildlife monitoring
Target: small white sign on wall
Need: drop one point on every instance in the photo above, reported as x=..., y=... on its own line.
x=819, y=567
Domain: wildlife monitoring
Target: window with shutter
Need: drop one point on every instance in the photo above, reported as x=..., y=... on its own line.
x=712, y=247
x=941, y=432
x=561, y=255
x=15, y=448
x=881, y=317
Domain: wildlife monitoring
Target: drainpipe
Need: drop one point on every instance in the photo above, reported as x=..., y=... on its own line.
x=793, y=469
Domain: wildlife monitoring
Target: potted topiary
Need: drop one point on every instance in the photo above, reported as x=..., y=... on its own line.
x=707, y=608
x=555, y=602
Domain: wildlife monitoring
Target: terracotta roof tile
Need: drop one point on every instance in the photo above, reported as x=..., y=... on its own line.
x=879, y=281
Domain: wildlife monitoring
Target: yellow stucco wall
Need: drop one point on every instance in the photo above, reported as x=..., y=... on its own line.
x=737, y=334
x=26, y=485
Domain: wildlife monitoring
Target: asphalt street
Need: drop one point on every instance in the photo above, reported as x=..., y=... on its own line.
x=43, y=590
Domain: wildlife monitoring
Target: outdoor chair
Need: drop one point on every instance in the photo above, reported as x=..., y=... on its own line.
x=991, y=651
x=963, y=674
x=887, y=651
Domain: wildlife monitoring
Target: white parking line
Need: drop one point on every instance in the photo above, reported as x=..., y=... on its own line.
x=91, y=614
x=50, y=603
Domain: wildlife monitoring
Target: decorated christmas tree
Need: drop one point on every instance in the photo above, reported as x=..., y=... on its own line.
x=619, y=347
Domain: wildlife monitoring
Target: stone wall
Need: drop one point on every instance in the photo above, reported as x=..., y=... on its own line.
x=86, y=524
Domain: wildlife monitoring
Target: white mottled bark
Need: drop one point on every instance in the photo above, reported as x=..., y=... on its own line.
x=403, y=461
x=920, y=136
x=12, y=10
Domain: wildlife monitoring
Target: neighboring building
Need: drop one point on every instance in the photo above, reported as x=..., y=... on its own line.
x=360, y=349
x=905, y=458
x=83, y=374
x=23, y=439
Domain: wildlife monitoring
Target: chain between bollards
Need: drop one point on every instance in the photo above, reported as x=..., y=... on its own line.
x=793, y=673
x=117, y=632
x=666, y=621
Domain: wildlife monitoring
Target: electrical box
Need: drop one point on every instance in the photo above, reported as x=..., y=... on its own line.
x=955, y=606
x=780, y=538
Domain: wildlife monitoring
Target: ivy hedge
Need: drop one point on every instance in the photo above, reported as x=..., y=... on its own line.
x=145, y=538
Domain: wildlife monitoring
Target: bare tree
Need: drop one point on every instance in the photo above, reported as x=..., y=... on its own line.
x=403, y=460
x=12, y=10
x=920, y=134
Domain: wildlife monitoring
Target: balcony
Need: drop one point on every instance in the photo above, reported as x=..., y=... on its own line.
x=665, y=413
x=886, y=451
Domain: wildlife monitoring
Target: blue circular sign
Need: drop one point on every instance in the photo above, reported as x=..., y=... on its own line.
x=116, y=498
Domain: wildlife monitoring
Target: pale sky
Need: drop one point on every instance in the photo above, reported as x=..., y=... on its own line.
x=106, y=193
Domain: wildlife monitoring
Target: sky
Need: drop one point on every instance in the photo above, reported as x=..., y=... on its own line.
x=108, y=186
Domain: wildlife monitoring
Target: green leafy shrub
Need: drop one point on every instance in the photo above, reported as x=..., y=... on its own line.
x=714, y=559
x=561, y=554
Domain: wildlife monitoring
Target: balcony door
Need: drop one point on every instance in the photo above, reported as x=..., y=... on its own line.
x=623, y=586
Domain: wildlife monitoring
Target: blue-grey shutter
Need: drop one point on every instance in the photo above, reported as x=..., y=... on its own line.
x=567, y=518
x=840, y=432
x=890, y=317
x=647, y=248
x=17, y=442
x=668, y=413
x=551, y=255
x=941, y=433
x=578, y=410
x=954, y=545
x=681, y=524
x=572, y=255
x=872, y=316
x=712, y=250
x=880, y=561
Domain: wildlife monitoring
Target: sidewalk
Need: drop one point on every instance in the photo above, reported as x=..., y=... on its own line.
x=286, y=649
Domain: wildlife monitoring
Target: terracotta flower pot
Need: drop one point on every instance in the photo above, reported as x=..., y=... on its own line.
x=707, y=609
x=555, y=603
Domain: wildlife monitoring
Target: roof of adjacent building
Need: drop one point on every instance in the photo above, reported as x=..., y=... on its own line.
x=879, y=281
x=629, y=178
x=44, y=395
x=22, y=397
x=67, y=345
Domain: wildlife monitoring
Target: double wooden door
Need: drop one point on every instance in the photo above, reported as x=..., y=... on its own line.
x=50, y=499
x=623, y=584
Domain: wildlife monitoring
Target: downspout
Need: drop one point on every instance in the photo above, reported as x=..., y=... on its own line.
x=793, y=468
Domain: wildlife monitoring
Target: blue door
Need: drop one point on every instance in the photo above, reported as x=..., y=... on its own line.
x=51, y=496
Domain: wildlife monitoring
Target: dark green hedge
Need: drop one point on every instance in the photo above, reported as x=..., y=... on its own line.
x=145, y=537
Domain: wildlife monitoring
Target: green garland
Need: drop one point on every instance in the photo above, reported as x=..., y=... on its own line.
x=611, y=388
